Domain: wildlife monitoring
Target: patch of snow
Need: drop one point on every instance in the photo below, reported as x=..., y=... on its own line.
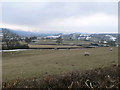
x=111, y=37
x=87, y=38
x=14, y=50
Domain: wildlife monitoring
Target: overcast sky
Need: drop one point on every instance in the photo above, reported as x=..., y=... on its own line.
x=61, y=16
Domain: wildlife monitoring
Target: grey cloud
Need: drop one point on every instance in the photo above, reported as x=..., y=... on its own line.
x=33, y=14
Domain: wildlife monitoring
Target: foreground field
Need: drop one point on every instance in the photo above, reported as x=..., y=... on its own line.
x=34, y=63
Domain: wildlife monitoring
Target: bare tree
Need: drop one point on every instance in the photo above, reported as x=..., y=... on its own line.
x=59, y=40
x=10, y=39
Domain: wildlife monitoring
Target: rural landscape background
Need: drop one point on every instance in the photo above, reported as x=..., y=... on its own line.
x=61, y=45
x=58, y=54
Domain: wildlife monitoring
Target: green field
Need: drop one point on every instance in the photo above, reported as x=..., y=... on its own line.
x=70, y=42
x=30, y=63
x=53, y=46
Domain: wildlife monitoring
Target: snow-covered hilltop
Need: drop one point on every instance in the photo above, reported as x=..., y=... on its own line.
x=111, y=37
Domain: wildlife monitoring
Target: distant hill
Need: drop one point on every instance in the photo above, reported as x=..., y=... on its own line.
x=74, y=36
x=91, y=37
x=30, y=34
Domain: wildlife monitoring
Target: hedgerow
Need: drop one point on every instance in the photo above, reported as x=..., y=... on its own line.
x=107, y=78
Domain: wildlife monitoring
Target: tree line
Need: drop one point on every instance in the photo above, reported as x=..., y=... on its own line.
x=11, y=40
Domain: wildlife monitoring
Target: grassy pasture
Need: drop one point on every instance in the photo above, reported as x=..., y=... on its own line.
x=52, y=46
x=27, y=64
x=50, y=41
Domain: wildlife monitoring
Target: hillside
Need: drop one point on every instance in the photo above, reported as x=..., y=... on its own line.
x=76, y=36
